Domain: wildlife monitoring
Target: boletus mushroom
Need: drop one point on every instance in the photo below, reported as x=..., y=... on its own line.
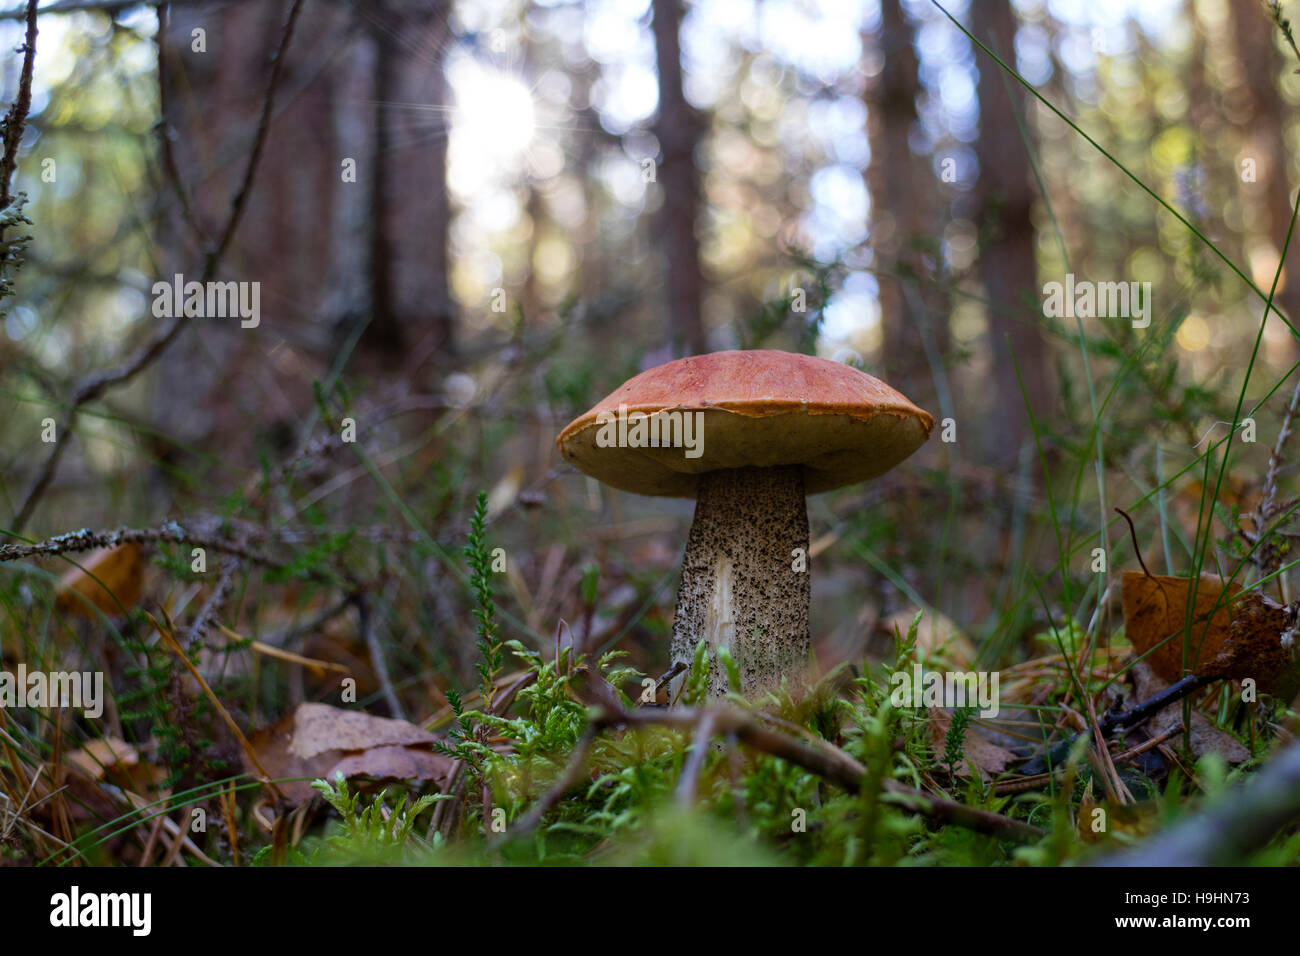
x=747, y=435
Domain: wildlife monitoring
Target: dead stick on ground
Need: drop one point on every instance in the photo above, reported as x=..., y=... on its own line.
x=690, y=778
x=1129, y=718
x=824, y=760
x=567, y=781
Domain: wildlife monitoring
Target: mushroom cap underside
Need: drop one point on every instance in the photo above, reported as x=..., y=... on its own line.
x=744, y=409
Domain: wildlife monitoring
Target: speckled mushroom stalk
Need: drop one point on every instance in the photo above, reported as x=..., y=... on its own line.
x=739, y=587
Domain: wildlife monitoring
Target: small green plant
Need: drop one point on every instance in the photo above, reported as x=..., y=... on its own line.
x=470, y=732
x=370, y=830
x=953, y=753
x=480, y=567
x=697, y=681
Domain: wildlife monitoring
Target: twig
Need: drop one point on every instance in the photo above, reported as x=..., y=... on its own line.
x=366, y=624
x=171, y=532
x=170, y=169
x=15, y=120
x=259, y=142
x=563, y=784
x=1151, y=744
x=317, y=667
x=1134, y=535
x=1021, y=784
x=13, y=124
x=181, y=835
x=212, y=607
x=138, y=804
x=686, y=786
x=823, y=759
x=1174, y=692
x=1114, y=784
x=677, y=668
x=232, y=831
x=110, y=7
x=1266, y=556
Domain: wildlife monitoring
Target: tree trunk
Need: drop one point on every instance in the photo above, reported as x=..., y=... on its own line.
x=332, y=255
x=677, y=130
x=896, y=207
x=410, y=299
x=1007, y=265
x=1266, y=119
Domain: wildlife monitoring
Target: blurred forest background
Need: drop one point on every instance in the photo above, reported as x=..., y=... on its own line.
x=471, y=220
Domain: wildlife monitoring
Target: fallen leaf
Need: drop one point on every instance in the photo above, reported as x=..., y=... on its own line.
x=1155, y=607
x=1261, y=645
x=393, y=763
x=271, y=744
x=319, y=727
x=115, y=761
x=1245, y=637
x=120, y=574
x=100, y=756
x=316, y=741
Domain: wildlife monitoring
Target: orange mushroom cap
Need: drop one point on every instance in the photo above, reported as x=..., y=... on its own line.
x=756, y=409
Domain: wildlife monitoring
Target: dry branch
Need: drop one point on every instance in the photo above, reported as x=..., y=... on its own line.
x=820, y=757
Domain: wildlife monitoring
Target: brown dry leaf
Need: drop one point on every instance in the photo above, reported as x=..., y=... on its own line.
x=114, y=760
x=1255, y=649
x=1206, y=738
x=120, y=572
x=102, y=756
x=319, y=727
x=1155, y=607
x=271, y=744
x=394, y=763
x=317, y=740
x=989, y=759
x=108, y=760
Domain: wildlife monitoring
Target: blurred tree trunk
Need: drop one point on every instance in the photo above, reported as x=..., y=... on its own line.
x=333, y=255
x=214, y=98
x=1265, y=115
x=411, y=304
x=534, y=208
x=896, y=208
x=677, y=129
x=1006, y=257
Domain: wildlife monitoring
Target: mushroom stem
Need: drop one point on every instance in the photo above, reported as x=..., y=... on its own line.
x=745, y=583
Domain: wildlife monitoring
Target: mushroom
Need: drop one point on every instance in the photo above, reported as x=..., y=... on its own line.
x=747, y=434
